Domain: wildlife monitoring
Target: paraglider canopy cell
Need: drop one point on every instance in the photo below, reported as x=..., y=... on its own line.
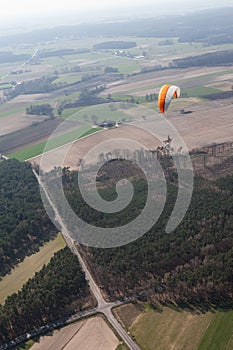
x=166, y=94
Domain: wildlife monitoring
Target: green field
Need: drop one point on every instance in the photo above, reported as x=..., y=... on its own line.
x=5, y=86
x=72, y=113
x=102, y=112
x=196, y=91
x=167, y=328
x=219, y=334
x=203, y=76
x=58, y=141
x=54, y=61
x=14, y=281
x=68, y=78
x=199, y=91
x=170, y=329
x=12, y=111
x=128, y=67
x=121, y=347
x=26, y=345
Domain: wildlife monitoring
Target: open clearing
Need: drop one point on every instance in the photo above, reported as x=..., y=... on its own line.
x=78, y=149
x=219, y=334
x=90, y=334
x=27, y=136
x=187, y=77
x=17, y=121
x=14, y=281
x=170, y=329
x=166, y=328
x=13, y=116
x=57, y=141
x=207, y=123
x=222, y=85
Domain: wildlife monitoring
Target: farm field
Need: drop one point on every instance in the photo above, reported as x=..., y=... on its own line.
x=57, y=141
x=187, y=77
x=13, y=115
x=68, y=78
x=167, y=328
x=13, y=282
x=79, y=148
x=13, y=122
x=195, y=82
x=29, y=135
x=101, y=112
x=219, y=334
x=209, y=122
x=90, y=334
x=22, y=101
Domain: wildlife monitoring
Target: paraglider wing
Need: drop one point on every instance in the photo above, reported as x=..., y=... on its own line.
x=166, y=94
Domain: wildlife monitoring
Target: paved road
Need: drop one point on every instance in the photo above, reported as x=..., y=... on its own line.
x=103, y=306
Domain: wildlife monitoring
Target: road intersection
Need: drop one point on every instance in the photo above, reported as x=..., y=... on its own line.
x=103, y=306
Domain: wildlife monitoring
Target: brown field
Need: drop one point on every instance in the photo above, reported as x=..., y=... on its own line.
x=14, y=281
x=77, y=150
x=170, y=329
x=17, y=121
x=128, y=314
x=209, y=122
x=16, y=118
x=159, y=78
x=33, y=134
x=23, y=101
x=90, y=334
x=28, y=135
x=165, y=328
x=225, y=85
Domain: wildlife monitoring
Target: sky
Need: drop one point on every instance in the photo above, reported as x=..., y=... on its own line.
x=16, y=11
x=23, y=8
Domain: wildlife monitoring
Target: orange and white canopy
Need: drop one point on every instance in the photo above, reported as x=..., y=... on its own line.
x=166, y=94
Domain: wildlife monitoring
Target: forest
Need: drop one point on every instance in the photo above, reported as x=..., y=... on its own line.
x=7, y=56
x=219, y=58
x=115, y=45
x=57, y=290
x=36, y=86
x=61, y=52
x=193, y=264
x=42, y=109
x=24, y=224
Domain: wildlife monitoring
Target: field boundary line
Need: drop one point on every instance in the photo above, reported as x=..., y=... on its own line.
x=66, y=144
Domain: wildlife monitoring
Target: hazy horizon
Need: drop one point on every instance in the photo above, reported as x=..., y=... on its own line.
x=48, y=13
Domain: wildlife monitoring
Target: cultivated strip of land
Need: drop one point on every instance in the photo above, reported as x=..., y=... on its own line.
x=14, y=281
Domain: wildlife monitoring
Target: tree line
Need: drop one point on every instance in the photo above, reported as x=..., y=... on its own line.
x=114, y=45
x=224, y=57
x=61, y=52
x=43, y=109
x=24, y=224
x=7, y=56
x=57, y=290
x=44, y=84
